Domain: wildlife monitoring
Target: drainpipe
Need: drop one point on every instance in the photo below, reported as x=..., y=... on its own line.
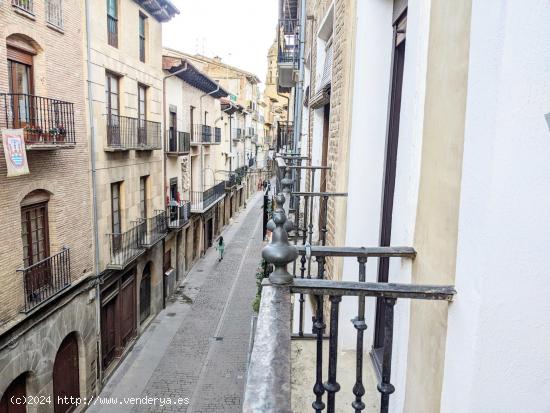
x=165, y=111
x=300, y=85
x=99, y=374
x=201, y=146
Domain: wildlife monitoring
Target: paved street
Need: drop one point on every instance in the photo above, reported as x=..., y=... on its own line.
x=197, y=348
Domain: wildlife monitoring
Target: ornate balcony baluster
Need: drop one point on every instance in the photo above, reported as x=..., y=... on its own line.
x=332, y=386
x=319, y=330
x=360, y=326
x=385, y=387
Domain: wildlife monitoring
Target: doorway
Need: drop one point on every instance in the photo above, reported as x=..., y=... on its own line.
x=390, y=168
x=66, y=375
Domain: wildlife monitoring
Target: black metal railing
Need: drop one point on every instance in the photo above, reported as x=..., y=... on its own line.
x=178, y=215
x=237, y=133
x=285, y=135
x=202, y=200
x=231, y=180
x=250, y=131
x=273, y=327
x=46, y=278
x=126, y=246
x=124, y=133
x=156, y=228
x=288, y=41
x=217, y=135
x=44, y=121
x=177, y=142
x=201, y=134
x=26, y=5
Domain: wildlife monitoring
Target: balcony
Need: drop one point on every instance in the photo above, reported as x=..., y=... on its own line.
x=125, y=247
x=285, y=135
x=250, y=132
x=288, y=51
x=155, y=229
x=125, y=133
x=178, y=214
x=46, y=278
x=201, y=201
x=25, y=5
x=202, y=134
x=177, y=143
x=296, y=376
x=47, y=123
x=237, y=134
x=217, y=135
x=231, y=181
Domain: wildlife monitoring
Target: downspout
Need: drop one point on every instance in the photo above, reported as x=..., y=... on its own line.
x=201, y=146
x=300, y=86
x=99, y=374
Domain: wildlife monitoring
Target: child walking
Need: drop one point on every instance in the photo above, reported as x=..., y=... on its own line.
x=220, y=247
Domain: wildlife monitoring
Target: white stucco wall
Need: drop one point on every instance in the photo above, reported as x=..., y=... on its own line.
x=497, y=355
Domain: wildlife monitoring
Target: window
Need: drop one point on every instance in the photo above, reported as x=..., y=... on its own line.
x=26, y=5
x=142, y=24
x=142, y=114
x=54, y=13
x=34, y=233
x=143, y=196
x=20, y=84
x=112, y=23
x=115, y=208
x=172, y=131
x=111, y=93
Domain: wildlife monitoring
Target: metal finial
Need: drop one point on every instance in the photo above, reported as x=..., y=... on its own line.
x=286, y=182
x=279, y=252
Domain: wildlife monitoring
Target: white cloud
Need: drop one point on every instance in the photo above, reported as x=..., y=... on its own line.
x=239, y=31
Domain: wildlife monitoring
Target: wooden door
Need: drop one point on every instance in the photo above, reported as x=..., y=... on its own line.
x=108, y=330
x=66, y=375
x=390, y=168
x=145, y=294
x=127, y=309
x=17, y=390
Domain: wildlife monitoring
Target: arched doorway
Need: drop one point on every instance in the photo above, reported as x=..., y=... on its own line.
x=66, y=375
x=145, y=294
x=12, y=400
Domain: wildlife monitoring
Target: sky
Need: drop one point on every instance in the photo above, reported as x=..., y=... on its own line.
x=239, y=31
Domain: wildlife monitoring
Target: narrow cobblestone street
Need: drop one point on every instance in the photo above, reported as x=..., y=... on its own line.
x=197, y=348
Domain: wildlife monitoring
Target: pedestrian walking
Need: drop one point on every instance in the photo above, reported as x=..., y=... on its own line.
x=220, y=247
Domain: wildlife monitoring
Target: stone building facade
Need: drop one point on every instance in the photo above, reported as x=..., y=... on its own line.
x=47, y=311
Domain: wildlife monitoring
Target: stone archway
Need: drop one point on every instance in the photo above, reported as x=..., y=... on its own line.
x=66, y=375
x=13, y=399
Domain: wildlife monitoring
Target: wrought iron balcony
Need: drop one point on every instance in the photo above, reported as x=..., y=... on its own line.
x=46, y=278
x=237, y=134
x=201, y=201
x=124, y=133
x=201, y=134
x=177, y=143
x=285, y=135
x=156, y=228
x=231, y=181
x=46, y=123
x=217, y=135
x=178, y=214
x=250, y=132
x=269, y=373
x=26, y=5
x=125, y=247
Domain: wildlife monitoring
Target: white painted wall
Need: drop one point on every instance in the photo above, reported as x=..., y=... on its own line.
x=498, y=354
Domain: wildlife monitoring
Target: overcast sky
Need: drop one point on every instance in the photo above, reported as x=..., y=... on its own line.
x=239, y=31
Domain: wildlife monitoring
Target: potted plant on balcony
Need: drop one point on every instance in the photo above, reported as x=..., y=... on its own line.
x=33, y=134
x=57, y=133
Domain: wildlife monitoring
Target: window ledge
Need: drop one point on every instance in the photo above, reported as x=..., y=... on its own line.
x=24, y=12
x=55, y=27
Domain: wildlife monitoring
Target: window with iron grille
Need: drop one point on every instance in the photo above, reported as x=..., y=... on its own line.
x=112, y=23
x=54, y=12
x=142, y=25
x=26, y=5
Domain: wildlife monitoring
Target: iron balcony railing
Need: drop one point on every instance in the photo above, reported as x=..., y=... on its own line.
x=126, y=246
x=237, y=134
x=201, y=134
x=177, y=143
x=201, y=201
x=125, y=133
x=231, y=181
x=285, y=135
x=44, y=121
x=156, y=228
x=217, y=135
x=288, y=41
x=46, y=278
x=26, y=5
x=269, y=373
x=250, y=131
x=178, y=214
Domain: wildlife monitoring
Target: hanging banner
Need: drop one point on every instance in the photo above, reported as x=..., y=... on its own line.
x=13, y=141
